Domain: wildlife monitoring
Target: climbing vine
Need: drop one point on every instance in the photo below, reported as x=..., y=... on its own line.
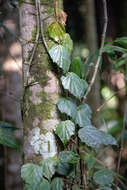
x=75, y=167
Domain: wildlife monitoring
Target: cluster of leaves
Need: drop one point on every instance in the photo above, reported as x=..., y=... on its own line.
x=117, y=51
x=77, y=125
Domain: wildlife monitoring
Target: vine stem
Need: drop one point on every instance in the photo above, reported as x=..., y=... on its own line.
x=122, y=138
x=100, y=51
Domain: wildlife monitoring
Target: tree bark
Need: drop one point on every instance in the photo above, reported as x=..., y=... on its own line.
x=39, y=101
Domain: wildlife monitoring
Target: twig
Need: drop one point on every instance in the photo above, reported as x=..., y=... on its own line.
x=100, y=50
x=100, y=107
x=122, y=138
x=36, y=43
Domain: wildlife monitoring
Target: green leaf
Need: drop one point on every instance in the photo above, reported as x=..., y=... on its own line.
x=7, y=138
x=57, y=184
x=74, y=84
x=44, y=185
x=112, y=49
x=7, y=125
x=66, y=105
x=75, y=187
x=103, y=177
x=65, y=130
x=121, y=41
x=68, y=157
x=83, y=116
x=48, y=167
x=31, y=173
x=77, y=66
x=67, y=43
x=66, y=169
x=61, y=57
x=56, y=31
x=93, y=137
x=89, y=160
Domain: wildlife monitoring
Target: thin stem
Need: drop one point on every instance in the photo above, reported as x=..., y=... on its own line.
x=100, y=50
x=122, y=139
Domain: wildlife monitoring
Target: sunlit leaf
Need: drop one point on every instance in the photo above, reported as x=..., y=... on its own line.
x=65, y=130
x=57, y=184
x=48, y=167
x=60, y=56
x=66, y=105
x=67, y=42
x=68, y=157
x=83, y=116
x=77, y=66
x=94, y=137
x=121, y=41
x=103, y=177
x=31, y=173
x=56, y=31
x=74, y=84
x=7, y=138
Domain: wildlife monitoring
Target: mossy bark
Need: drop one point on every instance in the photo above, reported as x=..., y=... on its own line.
x=39, y=102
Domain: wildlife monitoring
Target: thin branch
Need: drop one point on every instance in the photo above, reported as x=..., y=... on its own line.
x=101, y=106
x=122, y=139
x=100, y=50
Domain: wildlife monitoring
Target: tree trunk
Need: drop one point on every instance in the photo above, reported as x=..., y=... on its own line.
x=41, y=86
x=91, y=36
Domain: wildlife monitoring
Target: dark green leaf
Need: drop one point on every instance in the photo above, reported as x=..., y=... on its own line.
x=75, y=187
x=7, y=125
x=112, y=49
x=7, y=138
x=77, y=66
x=67, y=42
x=31, y=173
x=121, y=41
x=83, y=116
x=56, y=31
x=44, y=185
x=48, y=167
x=60, y=56
x=67, y=106
x=57, y=184
x=74, y=84
x=65, y=130
x=66, y=169
x=103, y=177
x=68, y=157
x=94, y=137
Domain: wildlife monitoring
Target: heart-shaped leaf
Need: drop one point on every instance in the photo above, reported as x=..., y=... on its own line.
x=56, y=31
x=44, y=185
x=48, y=167
x=66, y=105
x=93, y=137
x=103, y=177
x=83, y=116
x=57, y=184
x=65, y=130
x=31, y=173
x=60, y=56
x=68, y=157
x=74, y=84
